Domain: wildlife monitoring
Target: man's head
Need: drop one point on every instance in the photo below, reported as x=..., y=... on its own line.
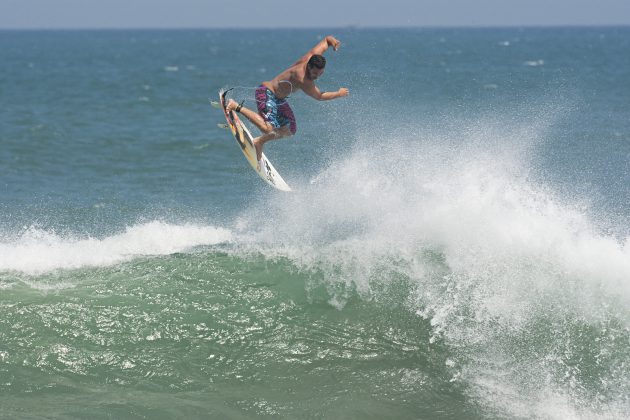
x=315, y=66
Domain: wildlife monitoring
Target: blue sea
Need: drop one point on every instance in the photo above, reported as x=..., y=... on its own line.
x=457, y=244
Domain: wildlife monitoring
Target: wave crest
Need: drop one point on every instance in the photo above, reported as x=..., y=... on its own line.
x=36, y=251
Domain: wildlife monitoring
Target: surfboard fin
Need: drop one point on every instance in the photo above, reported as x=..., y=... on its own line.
x=223, y=126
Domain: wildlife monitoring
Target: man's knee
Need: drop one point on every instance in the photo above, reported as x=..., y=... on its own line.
x=289, y=129
x=285, y=131
x=268, y=128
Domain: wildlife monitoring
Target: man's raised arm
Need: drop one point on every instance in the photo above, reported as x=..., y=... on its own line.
x=329, y=41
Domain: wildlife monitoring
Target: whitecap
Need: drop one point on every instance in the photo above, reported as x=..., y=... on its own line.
x=534, y=63
x=38, y=251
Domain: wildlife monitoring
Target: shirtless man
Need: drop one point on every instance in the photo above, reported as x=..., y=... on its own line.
x=275, y=118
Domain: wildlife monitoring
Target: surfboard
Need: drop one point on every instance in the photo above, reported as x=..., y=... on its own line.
x=244, y=138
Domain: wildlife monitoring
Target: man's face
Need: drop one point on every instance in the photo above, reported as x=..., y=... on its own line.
x=313, y=72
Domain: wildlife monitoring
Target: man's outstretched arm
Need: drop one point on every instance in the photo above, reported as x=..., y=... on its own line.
x=314, y=92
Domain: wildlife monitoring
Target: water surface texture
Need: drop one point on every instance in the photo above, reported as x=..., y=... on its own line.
x=457, y=244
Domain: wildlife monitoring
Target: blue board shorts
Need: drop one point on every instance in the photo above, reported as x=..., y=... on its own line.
x=276, y=112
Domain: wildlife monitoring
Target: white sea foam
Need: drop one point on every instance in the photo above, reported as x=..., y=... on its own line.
x=476, y=203
x=38, y=251
x=487, y=247
x=534, y=63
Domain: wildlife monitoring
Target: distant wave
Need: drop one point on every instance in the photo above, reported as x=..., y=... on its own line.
x=37, y=251
x=534, y=63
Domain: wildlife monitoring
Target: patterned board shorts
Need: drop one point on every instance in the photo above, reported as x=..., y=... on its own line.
x=276, y=112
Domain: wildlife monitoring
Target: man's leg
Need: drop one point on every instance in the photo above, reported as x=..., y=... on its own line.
x=252, y=116
x=275, y=134
x=268, y=130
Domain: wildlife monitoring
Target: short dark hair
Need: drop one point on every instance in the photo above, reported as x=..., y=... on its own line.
x=317, y=60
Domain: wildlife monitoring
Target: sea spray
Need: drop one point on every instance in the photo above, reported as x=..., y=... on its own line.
x=521, y=284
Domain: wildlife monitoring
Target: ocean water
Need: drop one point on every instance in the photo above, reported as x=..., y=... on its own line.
x=457, y=244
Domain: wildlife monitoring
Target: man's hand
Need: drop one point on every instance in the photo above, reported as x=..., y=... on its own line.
x=343, y=92
x=333, y=42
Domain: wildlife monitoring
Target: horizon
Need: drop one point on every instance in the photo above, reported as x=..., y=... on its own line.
x=310, y=28
x=285, y=14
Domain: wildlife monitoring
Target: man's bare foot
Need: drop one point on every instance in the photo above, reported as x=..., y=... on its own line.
x=231, y=105
x=259, y=148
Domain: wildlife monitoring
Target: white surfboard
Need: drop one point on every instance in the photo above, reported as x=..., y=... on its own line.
x=244, y=138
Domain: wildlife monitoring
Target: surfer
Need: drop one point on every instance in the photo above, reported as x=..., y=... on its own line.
x=275, y=117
